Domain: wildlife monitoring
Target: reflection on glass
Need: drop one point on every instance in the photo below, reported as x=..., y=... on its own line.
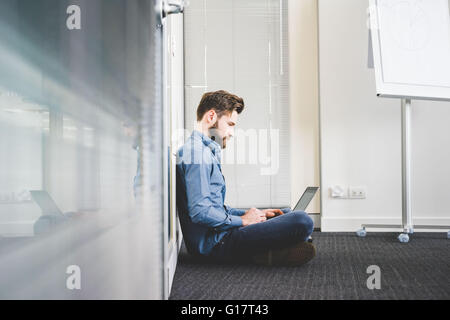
x=70, y=129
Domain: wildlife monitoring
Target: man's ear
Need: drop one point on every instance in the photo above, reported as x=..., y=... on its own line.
x=212, y=117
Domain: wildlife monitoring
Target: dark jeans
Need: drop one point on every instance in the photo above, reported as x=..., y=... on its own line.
x=276, y=233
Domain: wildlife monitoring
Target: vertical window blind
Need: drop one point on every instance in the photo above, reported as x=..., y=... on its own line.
x=241, y=46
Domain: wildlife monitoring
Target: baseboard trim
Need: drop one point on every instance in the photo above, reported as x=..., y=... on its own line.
x=316, y=219
x=354, y=224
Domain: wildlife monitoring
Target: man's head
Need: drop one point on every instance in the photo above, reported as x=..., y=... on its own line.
x=218, y=112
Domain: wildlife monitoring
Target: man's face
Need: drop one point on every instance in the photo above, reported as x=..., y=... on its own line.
x=223, y=129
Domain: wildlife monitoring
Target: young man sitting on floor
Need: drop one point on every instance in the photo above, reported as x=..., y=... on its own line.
x=214, y=230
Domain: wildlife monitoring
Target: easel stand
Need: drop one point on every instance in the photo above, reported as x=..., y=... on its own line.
x=407, y=224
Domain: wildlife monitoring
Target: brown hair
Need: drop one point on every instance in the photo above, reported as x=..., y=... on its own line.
x=221, y=102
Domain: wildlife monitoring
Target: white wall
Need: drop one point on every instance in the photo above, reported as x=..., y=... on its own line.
x=174, y=106
x=304, y=100
x=361, y=137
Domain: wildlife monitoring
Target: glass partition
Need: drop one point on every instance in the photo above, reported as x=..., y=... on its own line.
x=80, y=149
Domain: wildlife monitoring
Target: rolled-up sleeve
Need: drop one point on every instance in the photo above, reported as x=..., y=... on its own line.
x=201, y=208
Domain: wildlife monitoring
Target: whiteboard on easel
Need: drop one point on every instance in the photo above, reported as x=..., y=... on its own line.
x=411, y=48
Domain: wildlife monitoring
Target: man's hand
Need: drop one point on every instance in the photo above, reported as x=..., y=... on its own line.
x=253, y=216
x=270, y=213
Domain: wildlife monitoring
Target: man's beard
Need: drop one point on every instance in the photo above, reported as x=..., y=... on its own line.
x=215, y=136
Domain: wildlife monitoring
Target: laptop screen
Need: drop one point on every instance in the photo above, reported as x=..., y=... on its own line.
x=306, y=198
x=43, y=199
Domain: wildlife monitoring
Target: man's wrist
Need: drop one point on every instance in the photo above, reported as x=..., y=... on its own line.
x=244, y=221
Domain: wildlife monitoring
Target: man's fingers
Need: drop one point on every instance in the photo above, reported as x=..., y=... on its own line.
x=274, y=212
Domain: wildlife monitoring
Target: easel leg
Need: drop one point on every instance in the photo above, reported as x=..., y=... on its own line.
x=406, y=167
x=407, y=223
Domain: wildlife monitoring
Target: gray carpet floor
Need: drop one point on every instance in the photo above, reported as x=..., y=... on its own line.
x=419, y=269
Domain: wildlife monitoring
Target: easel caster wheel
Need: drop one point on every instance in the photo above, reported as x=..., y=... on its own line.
x=403, y=238
x=361, y=233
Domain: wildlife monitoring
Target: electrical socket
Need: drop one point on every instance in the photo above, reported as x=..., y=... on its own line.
x=357, y=193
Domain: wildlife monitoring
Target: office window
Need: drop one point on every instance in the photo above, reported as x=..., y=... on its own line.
x=241, y=46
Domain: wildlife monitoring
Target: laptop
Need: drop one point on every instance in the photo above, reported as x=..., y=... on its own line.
x=46, y=203
x=49, y=207
x=305, y=199
x=51, y=217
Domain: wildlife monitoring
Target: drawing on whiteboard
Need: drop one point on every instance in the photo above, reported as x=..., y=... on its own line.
x=410, y=25
x=411, y=48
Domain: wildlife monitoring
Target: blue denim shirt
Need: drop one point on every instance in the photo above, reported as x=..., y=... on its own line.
x=201, y=193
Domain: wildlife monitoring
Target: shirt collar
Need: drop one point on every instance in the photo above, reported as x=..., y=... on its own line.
x=207, y=141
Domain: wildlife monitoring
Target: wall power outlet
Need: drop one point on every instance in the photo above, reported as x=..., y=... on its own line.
x=357, y=192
